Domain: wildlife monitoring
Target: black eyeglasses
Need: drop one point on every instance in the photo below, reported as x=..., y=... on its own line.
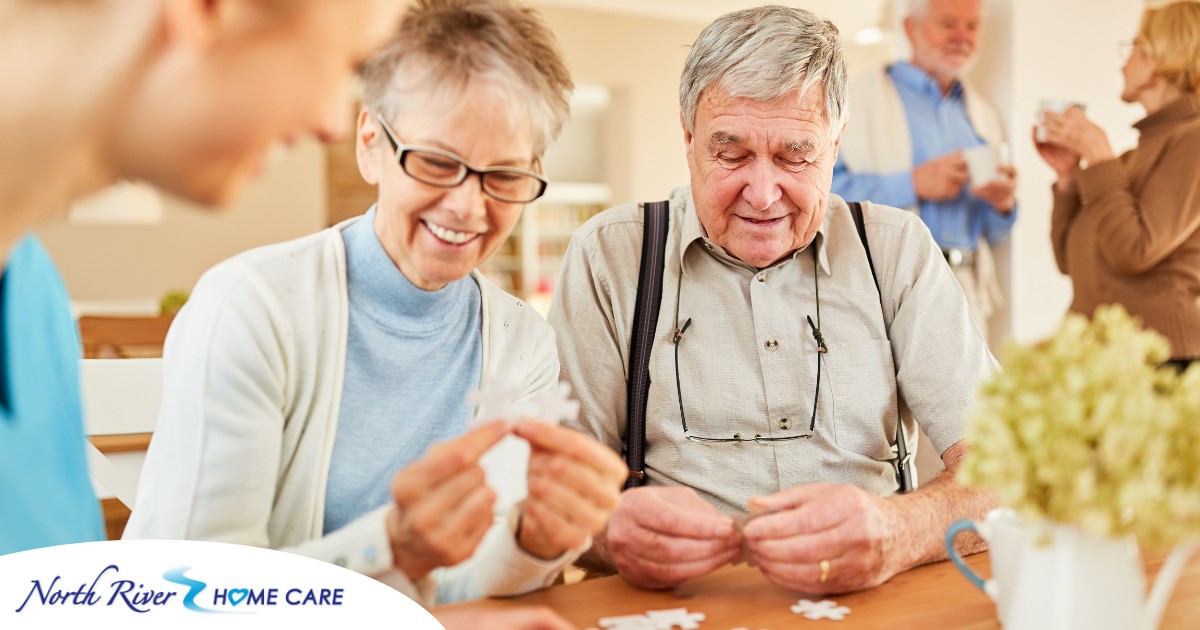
x=446, y=170
x=757, y=437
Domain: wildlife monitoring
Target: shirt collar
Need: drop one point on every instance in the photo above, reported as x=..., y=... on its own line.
x=919, y=81
x=693, y=233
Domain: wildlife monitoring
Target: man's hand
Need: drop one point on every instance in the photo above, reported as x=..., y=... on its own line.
x=941, y=178
x=801, y=527
x=574, y=485
x=443, y=504
x=523, y=618
x=662, y=536
x=1001, y=192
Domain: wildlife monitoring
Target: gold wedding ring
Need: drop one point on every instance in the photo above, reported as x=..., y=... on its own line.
x=824, y=577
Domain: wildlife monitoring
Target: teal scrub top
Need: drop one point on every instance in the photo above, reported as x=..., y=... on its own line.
x=46, y=495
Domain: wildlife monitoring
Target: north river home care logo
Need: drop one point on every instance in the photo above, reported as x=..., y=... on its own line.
x=132, y=584
x=110, y=588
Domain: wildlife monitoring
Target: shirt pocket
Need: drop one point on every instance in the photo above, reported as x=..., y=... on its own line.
x=863, y=383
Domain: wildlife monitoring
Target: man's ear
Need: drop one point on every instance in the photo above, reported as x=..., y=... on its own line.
x=687, y=135
x=837, y=138
x=366, y=135
x=910, y=29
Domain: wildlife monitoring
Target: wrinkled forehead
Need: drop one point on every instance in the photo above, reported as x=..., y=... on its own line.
x=796, y=121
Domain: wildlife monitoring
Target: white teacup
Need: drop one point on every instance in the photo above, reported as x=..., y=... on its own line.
x=1052, y=106
x=984, y=162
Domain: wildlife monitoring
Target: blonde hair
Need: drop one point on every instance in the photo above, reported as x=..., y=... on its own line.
x=1170, y=35
x=446, y=47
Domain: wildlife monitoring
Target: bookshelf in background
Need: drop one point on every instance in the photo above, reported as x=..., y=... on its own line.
x=527, y=263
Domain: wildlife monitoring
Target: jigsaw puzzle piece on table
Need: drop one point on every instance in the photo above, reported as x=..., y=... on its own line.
x=824, y=609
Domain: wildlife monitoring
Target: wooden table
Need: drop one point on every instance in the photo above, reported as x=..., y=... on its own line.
x=933, y=596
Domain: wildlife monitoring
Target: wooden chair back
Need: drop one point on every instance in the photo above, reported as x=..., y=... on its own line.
x=123, y=337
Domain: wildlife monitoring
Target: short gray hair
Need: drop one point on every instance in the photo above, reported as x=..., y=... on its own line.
x=444, y=47
x=762, y=54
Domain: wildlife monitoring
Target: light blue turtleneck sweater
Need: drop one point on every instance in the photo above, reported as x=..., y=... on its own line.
x=411, y=358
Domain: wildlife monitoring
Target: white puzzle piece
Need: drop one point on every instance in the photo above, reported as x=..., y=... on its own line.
x=668, y=619
x=824, y=609
x=498, y=401
x=555, y=405
x=675, y=618
x=493, y=402
x=627, y=622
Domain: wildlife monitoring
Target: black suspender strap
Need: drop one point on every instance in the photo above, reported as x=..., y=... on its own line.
x=641, y=342
x=904, y=476
x=856, y=211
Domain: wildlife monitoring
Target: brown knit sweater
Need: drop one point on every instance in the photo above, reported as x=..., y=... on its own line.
x=1130, y=235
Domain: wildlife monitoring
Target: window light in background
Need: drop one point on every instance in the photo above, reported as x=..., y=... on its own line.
x=126, y=203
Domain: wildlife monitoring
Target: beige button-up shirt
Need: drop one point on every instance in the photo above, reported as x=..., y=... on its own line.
x=748, y=363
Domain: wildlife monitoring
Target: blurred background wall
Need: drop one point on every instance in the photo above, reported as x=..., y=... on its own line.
x=633, y=51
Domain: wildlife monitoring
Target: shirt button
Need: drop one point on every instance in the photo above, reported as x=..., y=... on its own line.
x=771, y=345
x=784, y=423
x=762, y=277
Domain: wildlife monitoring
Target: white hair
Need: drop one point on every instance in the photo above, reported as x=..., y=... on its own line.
x=918, y=8
x=763, y=54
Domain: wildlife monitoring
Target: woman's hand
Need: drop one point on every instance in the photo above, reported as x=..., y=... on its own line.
x=1065, y=162
x=574, y=484
x=1073, y=131
x=443, y=505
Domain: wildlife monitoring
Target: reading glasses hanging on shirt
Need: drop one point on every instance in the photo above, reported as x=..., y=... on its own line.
x=739, y=436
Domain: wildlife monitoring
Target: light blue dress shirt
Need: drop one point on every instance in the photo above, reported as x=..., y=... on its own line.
x=938, y=125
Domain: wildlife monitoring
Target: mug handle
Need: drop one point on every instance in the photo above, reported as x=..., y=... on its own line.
x=959, y=526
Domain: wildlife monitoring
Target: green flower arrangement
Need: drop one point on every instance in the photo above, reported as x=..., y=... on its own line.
x=1085, y=428
x=172, y=301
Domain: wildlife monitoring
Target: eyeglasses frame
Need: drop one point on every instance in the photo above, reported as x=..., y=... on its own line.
x=402, y=150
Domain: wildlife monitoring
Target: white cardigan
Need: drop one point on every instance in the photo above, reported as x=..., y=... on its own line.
x=252, y=385
x=877, y=138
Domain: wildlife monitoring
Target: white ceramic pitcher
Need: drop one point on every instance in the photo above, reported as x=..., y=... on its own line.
x=1057, y=576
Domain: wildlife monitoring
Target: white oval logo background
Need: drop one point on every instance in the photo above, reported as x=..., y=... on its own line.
x=191, y=584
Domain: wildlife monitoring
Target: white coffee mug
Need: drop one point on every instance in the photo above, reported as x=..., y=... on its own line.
x=1055, y=106
x=984, y=162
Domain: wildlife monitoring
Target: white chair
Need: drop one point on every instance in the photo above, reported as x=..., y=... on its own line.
x=120, y=403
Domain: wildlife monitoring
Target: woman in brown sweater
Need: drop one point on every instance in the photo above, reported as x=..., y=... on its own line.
x=1125, y=229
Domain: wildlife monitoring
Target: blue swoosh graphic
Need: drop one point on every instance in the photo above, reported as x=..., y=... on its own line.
x=194, y=588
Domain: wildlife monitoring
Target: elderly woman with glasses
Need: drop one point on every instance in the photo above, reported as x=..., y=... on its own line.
x=302, y=376
x=1126, y=228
